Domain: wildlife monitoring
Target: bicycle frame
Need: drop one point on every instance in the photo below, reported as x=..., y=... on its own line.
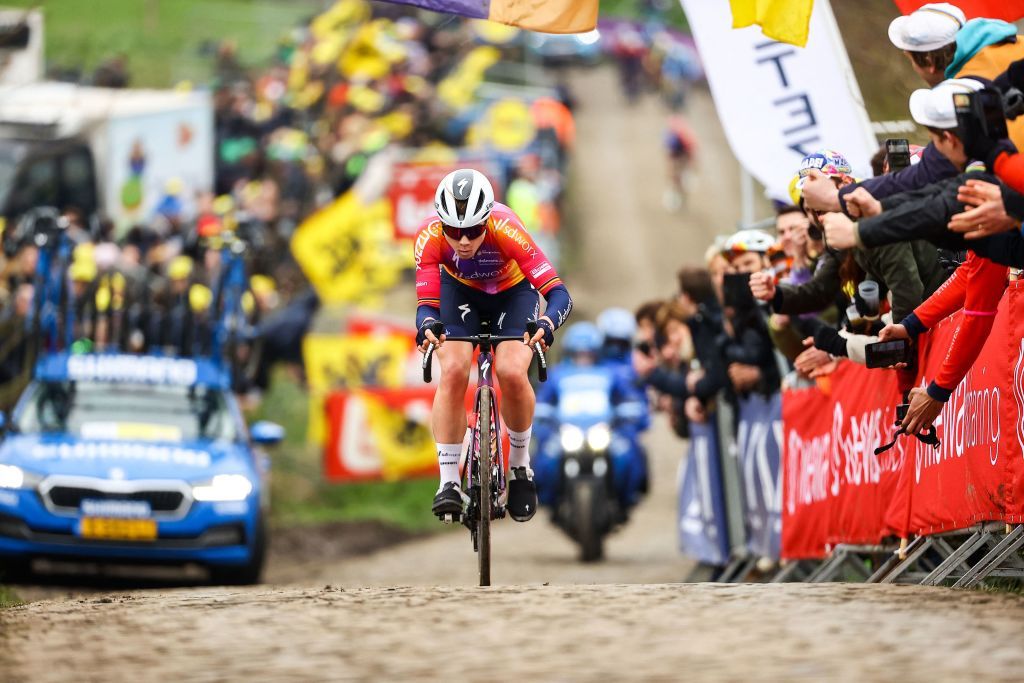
x=478, y=474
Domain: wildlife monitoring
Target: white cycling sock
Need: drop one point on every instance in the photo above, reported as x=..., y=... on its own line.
x=519, y=454
x=448, y=461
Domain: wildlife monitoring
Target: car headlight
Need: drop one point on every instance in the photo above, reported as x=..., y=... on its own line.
x=223, y=487
x=598, y=437
x=572, y=438
x=13, y=477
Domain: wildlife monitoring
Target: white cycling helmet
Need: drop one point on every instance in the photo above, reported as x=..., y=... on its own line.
x=749, y=240
x=464, y=198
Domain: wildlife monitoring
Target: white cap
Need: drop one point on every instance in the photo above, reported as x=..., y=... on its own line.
x=929, y=28
x=935, y=107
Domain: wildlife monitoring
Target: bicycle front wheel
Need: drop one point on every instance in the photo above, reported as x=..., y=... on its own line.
x=483, y=530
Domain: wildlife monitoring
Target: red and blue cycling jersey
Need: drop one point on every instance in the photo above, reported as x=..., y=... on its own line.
x=507, y=256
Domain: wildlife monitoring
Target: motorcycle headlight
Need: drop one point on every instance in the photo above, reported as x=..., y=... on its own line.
x=13, y=477
x=572, y=467
x=223, y=488
x=572, y=438
x=598, y=437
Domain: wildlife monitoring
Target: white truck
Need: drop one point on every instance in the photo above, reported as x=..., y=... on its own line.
x=116, y=153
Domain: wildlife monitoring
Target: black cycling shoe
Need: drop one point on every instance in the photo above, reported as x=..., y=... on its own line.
x=522, y=494
x=448, y=503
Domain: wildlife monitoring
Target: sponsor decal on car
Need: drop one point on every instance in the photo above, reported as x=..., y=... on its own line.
x=123, y=368
x=121, y=451
x=122, y=509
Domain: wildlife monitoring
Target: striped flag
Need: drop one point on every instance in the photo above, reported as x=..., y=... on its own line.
x=549, y=16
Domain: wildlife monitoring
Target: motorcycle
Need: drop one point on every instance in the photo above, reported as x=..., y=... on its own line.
x=582, y=461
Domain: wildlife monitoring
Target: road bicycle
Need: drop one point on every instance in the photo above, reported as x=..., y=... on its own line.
x=483, y=478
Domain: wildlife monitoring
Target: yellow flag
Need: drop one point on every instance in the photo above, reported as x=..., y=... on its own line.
x=348, y=250
x=343, y=361
x=784, y=20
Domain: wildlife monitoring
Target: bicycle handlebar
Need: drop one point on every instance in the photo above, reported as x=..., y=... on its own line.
x=437, y=329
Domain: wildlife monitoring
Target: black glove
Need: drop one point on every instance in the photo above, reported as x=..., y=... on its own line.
x=549, y=331
x=828, y=340
x=429, y=324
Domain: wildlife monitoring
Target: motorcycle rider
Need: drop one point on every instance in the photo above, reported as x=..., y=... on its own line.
x=581, y=384
x=619, y=329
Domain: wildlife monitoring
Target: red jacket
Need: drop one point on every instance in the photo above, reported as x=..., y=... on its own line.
x=976, y=286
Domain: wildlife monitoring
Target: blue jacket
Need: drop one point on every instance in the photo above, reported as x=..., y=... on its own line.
x=932, y=168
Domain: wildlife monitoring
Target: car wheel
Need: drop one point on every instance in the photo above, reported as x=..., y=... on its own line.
x=248, y=573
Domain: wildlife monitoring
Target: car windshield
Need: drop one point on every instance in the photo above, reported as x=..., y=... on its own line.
x=136, y=412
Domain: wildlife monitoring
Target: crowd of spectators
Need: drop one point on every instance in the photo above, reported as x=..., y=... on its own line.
x=852, y=262
x=291, y=136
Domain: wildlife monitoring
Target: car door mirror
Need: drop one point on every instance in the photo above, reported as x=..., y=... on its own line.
x=266, y=433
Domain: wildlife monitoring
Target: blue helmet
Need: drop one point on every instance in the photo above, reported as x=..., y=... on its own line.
x=617, y=323
x=582, y=338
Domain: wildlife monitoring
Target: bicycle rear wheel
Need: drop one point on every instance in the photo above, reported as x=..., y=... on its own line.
x=483, y=531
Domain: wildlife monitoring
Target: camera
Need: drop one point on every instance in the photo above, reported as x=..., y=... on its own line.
x=981, y=113
x=897, y=154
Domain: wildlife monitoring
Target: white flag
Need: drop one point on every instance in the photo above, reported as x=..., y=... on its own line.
x=778, y=102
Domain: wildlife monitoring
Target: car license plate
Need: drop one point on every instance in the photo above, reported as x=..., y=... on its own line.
x=112, y=529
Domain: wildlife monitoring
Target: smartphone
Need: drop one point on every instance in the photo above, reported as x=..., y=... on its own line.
x=901, y=411
x=897, y=154
x=736, y=291
x=886, y=354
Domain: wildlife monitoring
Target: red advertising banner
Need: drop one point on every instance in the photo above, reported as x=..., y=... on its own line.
x=834, y=487
x=412, y=191
x=1012, y=405
x=962, y=481
x=835, y=490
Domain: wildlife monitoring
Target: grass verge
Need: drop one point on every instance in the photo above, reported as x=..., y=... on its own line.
x=299, y=494
x=8, y=598
x=165, y=41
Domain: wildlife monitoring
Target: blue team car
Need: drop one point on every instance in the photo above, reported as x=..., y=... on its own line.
x=133, y=459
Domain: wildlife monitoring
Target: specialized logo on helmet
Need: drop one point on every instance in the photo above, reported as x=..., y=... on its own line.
x=462, y=184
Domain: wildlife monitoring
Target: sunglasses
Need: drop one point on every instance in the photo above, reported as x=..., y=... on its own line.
x=472, y=232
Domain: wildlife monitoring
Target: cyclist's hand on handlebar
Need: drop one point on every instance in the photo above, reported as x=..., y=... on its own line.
x=431, y=332
x=545, y=332
x=429, y=339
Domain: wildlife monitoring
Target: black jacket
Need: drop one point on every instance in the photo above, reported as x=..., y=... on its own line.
x=705, y=329
x=932, y=168
x=925, y=213
x=910, y=270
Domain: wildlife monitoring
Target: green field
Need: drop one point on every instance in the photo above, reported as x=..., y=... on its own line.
x=163, y=39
